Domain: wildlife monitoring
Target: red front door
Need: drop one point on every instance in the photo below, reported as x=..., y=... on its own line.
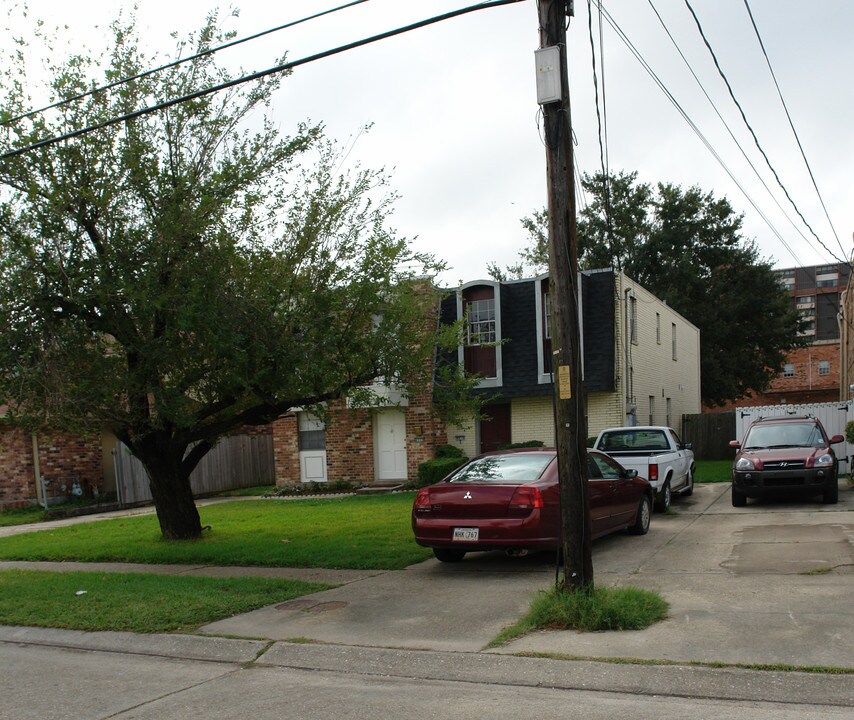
x=495, y=431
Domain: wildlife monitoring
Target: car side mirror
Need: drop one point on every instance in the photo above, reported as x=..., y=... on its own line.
x=631, y=473
x=687, y=446
x=836, y=439
x=735, y=444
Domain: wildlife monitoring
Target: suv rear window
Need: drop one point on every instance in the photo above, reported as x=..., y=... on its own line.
x=782, y=435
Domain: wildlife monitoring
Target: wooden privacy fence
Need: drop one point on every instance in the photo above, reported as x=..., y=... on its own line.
x=710, y=434
x=237, y=461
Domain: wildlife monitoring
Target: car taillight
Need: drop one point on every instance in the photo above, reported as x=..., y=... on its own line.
x=422, y=500
x=653, y=473
x=526, y=499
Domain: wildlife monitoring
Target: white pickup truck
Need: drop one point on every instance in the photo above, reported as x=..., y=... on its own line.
x=657, y=454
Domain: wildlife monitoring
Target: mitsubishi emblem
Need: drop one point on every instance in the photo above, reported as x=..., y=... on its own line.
x=467, y=496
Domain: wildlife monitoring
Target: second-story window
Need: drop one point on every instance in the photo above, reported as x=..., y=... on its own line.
x=481, y=322
x=481, y=307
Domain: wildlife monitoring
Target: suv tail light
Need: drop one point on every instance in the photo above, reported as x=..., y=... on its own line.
x=524, y=500
x=653, y=472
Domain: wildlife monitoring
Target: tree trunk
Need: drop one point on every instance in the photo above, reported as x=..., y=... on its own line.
x=169, y=480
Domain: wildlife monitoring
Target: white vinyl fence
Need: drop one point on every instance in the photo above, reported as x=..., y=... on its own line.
x=237, y=461
x=833, y=416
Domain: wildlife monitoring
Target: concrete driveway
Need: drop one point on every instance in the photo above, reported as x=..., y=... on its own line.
x=768, y=583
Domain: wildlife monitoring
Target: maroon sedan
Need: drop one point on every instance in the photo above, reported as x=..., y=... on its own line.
x=509, y=501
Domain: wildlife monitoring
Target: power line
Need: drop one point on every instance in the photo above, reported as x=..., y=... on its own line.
x=792, y=125
x=726, y=125
x=602, y=136
x=753, y=134
x=175, y=63
x=254, y=76
x=693, y=126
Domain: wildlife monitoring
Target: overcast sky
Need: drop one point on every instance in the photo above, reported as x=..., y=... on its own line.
x=454, y=110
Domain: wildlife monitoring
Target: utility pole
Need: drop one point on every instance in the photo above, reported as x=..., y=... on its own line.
x=571, y=424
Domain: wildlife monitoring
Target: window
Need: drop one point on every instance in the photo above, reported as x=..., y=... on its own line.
x=479, y=354
x=658, y=328
x=633, y=319
x=547, y=316
x=481, y=322
x=824, y=367
x=673, y=334
x=312, y=432
x=788, y=370
x=787, y=278
x=651, y=410
x=668, y=420
x=543, y=309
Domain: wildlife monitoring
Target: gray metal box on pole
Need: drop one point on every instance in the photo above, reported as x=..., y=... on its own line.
x=548, y=75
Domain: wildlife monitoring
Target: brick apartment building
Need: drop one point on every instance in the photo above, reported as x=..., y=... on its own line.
x=811, y=374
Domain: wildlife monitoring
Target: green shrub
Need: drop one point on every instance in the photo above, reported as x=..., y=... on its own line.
x=434, y=470
x=526, y=444
x=849, y=431
x=449, y=451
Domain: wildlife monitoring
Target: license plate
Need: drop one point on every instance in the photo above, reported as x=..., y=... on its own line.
x=466, y=534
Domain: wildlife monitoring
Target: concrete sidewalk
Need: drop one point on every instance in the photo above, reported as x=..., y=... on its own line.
x=733, y=577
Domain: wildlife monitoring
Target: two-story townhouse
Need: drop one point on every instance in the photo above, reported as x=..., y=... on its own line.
x=641, y=365
x=641, y=359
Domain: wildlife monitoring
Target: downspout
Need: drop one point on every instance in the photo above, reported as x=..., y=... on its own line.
x=809, y=365
x=37, y=472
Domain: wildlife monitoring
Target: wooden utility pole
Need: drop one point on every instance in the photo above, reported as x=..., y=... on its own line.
x=571, y=424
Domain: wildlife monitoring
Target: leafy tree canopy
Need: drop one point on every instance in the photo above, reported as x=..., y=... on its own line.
x=686, y=247
x=191, y=271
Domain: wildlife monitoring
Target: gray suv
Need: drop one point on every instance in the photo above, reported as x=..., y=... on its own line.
x=782, y=455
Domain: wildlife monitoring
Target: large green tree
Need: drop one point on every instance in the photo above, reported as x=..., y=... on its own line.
x=191, y=271
x=686, y=247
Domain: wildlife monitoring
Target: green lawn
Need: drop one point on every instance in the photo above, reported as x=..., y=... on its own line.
x=134, y=602
x=351, y=532
x=709, y=471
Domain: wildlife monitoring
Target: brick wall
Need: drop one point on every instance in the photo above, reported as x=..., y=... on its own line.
x=286, y=450
x=532, y=419
x=62, y=458
x=349, y=444
x=805, y=386
x=17, y=477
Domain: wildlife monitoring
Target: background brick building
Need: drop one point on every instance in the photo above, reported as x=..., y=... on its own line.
x=812, y=374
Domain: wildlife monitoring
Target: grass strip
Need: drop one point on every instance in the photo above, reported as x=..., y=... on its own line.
x=353, y=532
x=603, y=608
x=713, y=471
x=763, y=667
x=21, y=516
x=135, y=602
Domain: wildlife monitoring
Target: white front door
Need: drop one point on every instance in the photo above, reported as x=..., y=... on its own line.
x=312, y=449
x=390, y=432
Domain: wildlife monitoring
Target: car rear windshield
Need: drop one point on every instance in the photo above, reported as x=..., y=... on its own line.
x=763, y=437
x=524, y=467
x=634, y=440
